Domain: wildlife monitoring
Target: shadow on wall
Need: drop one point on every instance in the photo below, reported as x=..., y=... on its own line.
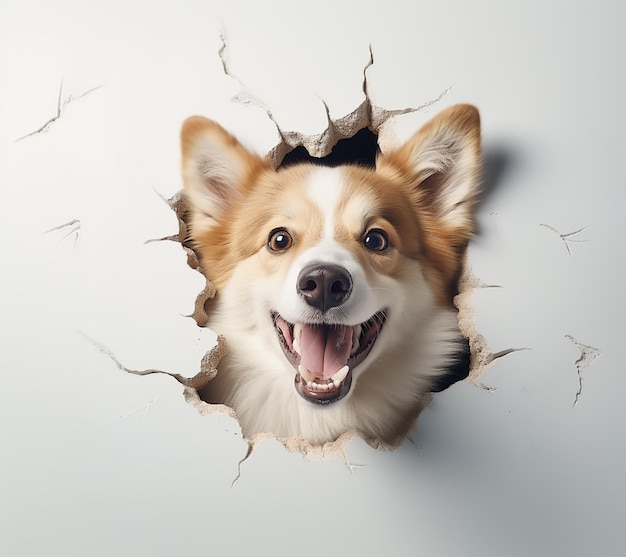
x=497, y=163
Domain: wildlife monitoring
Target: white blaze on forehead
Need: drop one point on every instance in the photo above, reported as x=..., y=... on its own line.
x=325, y=189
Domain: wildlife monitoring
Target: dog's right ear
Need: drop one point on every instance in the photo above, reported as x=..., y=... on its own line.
x=216, y=168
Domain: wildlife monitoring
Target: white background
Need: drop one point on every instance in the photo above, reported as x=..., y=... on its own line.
x=95, y=461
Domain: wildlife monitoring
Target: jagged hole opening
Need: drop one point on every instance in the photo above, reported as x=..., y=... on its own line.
x=360, y=149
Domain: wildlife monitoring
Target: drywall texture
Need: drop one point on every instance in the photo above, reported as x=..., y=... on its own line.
x=523, y=458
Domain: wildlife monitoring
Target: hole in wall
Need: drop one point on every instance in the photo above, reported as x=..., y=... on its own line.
x=353, y=139
x=360, y=149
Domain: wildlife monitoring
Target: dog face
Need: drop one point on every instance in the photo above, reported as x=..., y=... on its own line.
x=325, y=275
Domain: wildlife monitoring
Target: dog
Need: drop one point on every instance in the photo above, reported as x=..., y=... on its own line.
x=334, y=285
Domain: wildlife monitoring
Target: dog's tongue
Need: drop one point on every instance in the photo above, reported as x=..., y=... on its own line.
x=325, y=349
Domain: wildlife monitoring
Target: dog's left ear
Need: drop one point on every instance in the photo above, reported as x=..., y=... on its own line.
x=443, y=164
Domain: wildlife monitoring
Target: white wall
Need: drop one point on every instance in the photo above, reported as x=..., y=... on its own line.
x=96, y=461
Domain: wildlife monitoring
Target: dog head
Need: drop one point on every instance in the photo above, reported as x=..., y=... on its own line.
x=332, y=269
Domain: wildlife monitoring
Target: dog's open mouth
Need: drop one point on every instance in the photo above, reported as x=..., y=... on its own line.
x=324, y=355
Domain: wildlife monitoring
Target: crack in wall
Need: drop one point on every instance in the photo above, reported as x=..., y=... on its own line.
x=177, y=204
x=588, y=354
x=338, y=451
x=71, y=227
x=208, y=370
x=569, y=237
x=366, y=115
x=351, y=466
x=61, y=106
x=208, y=364
x=482, y=356
x=145, y=407
x=245, y=457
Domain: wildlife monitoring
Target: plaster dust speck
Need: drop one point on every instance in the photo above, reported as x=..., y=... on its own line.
x=380, y=122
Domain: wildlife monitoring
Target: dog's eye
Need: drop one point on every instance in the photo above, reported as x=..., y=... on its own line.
x=279, y=240
x=376, y=240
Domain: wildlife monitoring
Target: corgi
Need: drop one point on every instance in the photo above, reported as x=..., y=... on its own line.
x=334, y=285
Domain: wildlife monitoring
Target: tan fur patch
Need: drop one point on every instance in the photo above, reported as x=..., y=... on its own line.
x=405, y=196
x=451, y=140
x=270, y=200
x=371, y=201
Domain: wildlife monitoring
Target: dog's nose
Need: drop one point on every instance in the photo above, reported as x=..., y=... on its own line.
x=324, y=286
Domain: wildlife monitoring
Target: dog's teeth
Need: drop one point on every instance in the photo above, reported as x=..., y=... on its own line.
x=341, y=374
x=305, y=374
x=321, y=386
x=309, y=379
x=297, y=333
x=356, y=333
